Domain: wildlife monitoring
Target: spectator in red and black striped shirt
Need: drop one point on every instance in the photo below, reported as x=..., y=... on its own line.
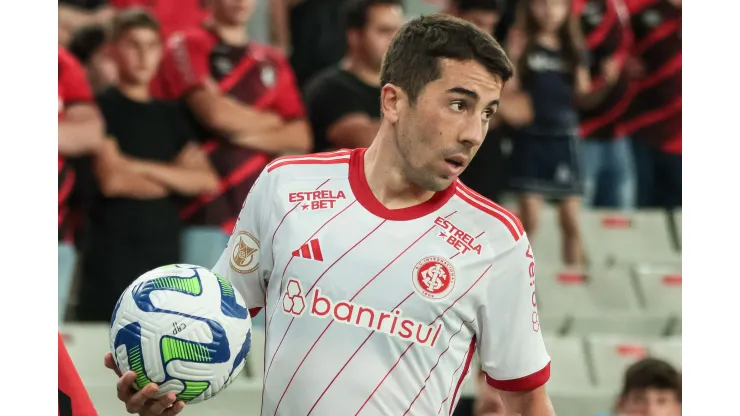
x=80, y=134
x=245, y=99
x=654, y=118
x=608, y=166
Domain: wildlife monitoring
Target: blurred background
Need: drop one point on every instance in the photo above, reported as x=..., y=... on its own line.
x=169, y=110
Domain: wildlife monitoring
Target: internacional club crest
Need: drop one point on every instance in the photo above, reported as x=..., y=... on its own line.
x=245, y=255
x=433, y=277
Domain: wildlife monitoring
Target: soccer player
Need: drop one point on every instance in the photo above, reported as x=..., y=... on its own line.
x=244, y=97
x=380, y=273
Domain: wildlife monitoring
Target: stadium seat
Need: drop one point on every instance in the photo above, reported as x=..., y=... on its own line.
x=568, y=368
x=633, y=324
x=581, y=402
x=640, y=237
x=87, y=345
x=610, y=355
x=668, y=349
x=561, y=293
x=659, y=289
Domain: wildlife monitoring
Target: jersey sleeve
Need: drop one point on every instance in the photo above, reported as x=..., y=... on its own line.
x=247, y=260
x=72, y=81
x=510, y=345
x=289, y=103
x=184, y=65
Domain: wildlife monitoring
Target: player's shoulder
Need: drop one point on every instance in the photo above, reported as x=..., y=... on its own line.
x=502, y=228
x=314, y=165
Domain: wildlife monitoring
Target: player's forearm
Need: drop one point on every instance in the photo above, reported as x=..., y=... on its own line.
x=80, y=137
x=73, y=18
x=528, y=403
x=516, y=109
x=294, y=136
x=185, y=181
x=233, y=118
x=123, y=184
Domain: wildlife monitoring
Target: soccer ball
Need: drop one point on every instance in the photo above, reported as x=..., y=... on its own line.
x=184, y=328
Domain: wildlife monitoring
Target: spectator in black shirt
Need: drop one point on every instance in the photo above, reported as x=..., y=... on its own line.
x=145, y=164
x=343, y=102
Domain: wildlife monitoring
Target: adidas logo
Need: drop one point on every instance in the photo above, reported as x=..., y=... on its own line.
x=310, y=250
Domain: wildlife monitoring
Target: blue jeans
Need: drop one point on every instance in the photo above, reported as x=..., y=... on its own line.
x=660, y=177
x=608, y=170
x=67, y=259
x=203, y=246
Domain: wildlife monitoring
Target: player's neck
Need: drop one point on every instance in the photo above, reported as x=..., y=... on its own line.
x=232, y=35
x=550, y=40
x=134, y=92
x=385, y=176
x=363, y=72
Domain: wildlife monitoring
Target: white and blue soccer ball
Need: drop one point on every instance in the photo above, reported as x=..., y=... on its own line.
x=184, y=328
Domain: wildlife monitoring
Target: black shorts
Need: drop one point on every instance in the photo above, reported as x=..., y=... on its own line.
x=545, y=165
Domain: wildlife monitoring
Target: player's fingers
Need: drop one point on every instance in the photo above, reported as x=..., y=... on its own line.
x=158, y=406
x=124, y=386
x=111, y=363
x=175, y=409
x=137, y=402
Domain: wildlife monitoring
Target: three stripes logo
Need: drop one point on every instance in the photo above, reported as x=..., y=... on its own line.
x=310, y=250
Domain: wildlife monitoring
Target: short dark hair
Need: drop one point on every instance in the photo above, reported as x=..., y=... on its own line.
x=412, y=60
x=484, y=5
x=133, y=18
x=652, y=373
x=86, y=41
x=355, y=12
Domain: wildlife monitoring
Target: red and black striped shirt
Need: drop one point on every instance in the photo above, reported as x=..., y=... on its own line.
x=73, y=88
x=256, y=75
x=654, y=115
x=605, y=26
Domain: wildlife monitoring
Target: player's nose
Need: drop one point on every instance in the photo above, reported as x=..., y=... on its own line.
x=472, y=134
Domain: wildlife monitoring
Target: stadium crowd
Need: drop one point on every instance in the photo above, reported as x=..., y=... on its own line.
x=170, y=109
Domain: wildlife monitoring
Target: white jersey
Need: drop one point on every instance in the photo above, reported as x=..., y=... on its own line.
x=374, y=311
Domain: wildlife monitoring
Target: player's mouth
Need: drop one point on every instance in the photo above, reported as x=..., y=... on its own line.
x=456, y=164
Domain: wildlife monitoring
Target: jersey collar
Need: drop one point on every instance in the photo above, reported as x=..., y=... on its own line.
x=366, y=198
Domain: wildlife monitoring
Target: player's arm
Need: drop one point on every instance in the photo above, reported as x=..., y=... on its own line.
x=247, y=260
x=227, y=115
x=588, y=93
x=81, y=130
x=510, y=345
x=116, y=180
x=516, y=107
x=191, y=173
x=293, y=136
x=72, y=18
x=353, y=130
x=81, y=127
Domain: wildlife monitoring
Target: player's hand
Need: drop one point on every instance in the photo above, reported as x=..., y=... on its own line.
x=144, y=401
x=611, y=70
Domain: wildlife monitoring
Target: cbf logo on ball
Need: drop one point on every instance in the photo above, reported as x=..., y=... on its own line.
x=433, y=277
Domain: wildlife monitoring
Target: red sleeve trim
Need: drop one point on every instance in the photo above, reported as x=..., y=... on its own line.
x=529, y=382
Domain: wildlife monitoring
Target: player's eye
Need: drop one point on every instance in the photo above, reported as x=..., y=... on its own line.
x=457, y=106
x=488, y=114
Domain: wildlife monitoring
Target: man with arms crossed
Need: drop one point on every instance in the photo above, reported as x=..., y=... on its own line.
x=394, y=270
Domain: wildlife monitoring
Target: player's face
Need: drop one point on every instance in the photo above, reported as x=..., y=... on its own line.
x=651, y=402
x=550, y=14
x=137, y=55
x=384, y=20
x=485, y=20
x=232, y=12
x=439, y=135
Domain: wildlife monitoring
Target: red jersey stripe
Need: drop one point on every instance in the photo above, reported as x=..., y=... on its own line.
x=310, y=162
x=471, y=350
x=661, y=32
x=452, y=381
x=313, y=156
x=529, y=382
x=495, y=214
x=494, y=206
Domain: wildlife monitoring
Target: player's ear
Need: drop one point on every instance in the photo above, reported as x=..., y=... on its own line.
x=392, y=99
